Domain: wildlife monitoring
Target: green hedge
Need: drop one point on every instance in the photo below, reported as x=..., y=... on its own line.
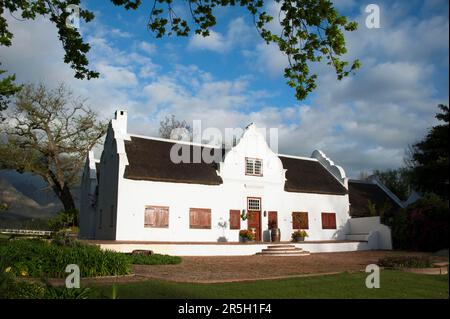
x=10, y=288
x=405, y=262
x=39, y=258
x=155, y=259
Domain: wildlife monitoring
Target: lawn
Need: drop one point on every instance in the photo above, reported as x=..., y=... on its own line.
x=393, y=284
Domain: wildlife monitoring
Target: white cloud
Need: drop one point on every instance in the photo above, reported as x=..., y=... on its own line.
x=119, y=33
x=213, y=42
x=238, y=34
x=149, y=48
x=116, y=76
x=267, y=58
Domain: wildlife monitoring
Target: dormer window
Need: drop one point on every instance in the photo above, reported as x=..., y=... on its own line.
x=253, y=166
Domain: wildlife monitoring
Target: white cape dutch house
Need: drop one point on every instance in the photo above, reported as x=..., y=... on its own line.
x=136, y=193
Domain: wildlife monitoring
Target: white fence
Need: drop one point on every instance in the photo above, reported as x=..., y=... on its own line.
x=26, y=232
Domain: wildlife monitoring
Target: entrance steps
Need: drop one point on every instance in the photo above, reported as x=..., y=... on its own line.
x=283, y=250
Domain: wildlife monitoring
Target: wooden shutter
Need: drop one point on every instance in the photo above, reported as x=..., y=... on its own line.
x=273, y=220
x=235, y=219
x=300, y=220
x=200, y=218
x=328, y=221
x=156, y=216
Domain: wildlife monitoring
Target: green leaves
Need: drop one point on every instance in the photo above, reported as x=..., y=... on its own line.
x=38, y=258
x=7, y=89
x=430, y=158
x=311, y=30
x=74, y=46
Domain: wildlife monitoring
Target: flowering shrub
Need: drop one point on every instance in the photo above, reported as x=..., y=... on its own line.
x=299, y=233
x=246, y=233
x=423, y=226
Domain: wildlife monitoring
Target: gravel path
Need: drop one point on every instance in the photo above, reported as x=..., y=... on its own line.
x=239, y=268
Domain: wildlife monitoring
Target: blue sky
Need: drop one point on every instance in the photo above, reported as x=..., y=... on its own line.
x=232, y=78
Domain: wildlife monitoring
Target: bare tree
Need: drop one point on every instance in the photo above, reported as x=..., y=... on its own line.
x=48, y=133
x=171, y=128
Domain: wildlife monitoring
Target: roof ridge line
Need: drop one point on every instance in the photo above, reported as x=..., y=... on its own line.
x=168, y=140
x=298, y=157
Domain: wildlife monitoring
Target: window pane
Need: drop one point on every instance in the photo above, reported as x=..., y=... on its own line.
x=254, y=204
x=249, y=166
x=258, y=167
x=253, y=166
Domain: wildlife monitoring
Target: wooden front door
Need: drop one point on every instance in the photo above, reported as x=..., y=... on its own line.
x=273, y=220
x=254, y=221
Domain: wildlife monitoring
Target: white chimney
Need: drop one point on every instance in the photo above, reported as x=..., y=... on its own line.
x=121, y=118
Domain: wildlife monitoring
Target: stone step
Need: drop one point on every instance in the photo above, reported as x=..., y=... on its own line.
x=282, y=248
x=279, y=254
x=290, y=251
x=277, y=246
x=276, y=251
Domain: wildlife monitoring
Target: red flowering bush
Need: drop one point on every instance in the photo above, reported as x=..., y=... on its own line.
x=422, y=226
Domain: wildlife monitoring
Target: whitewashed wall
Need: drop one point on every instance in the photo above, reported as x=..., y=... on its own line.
x=220, y=199
x=134, y=195
x=121, y=202
x=379, y=235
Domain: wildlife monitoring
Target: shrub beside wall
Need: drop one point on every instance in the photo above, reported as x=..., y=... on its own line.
x=423, y=226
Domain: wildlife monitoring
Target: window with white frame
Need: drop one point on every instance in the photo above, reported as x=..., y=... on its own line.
x=253, y=166
x=253, y=204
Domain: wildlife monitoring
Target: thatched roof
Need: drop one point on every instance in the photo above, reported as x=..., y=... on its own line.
x=149, y=159
x=362, y=193
x=306, y=176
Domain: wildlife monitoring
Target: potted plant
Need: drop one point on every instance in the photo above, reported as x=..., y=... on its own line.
x=246, y=235
x=299, y=235
x=275, y=233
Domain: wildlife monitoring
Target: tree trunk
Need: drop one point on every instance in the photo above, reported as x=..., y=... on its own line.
x=69, y=204
x=65, y=196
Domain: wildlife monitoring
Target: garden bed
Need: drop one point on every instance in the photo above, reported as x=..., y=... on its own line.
x=414, y=264
x=40, y=258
